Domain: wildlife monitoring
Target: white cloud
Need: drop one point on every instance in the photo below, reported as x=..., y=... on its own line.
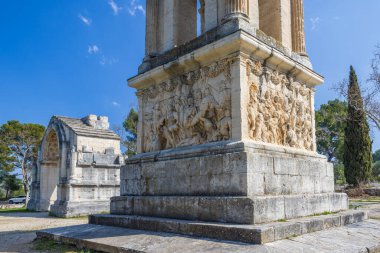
x=93, y=49
x=114, y=7
x=314, y=23
x=107, y=61
x=99, y=55
x=84, y=19
x=116, y=104
x=135, y=7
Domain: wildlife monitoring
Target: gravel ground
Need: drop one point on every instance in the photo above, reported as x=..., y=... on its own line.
x=17, y=230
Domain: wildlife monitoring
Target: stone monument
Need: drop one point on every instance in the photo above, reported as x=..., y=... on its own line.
x=226, y=127
x=78, y=167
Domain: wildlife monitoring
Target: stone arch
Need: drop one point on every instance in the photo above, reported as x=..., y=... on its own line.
x=49, y=171
x=51, y=147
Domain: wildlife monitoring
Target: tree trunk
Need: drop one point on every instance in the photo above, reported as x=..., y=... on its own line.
x=24, y=176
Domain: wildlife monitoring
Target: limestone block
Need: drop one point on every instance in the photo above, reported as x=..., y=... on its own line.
x=85, y=159
x=105, y=159
x=255, y=184
x=260, y=163
x=285, y=166
x=282, y=231
x=268, y=208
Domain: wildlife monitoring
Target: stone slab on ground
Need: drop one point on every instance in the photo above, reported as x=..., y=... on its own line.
x=359, y=237
x=258, y=234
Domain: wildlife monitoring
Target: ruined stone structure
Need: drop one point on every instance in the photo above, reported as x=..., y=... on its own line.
x=78, y=167
x=226, y=120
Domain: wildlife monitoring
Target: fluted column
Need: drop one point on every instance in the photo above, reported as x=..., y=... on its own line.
x=152, y=8
x=298, y=27
x=236, y=9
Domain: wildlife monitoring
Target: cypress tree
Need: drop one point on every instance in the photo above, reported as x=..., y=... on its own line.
x=357, y=142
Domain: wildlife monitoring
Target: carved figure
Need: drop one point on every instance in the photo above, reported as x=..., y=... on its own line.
x=280, y=113
x=189, y=109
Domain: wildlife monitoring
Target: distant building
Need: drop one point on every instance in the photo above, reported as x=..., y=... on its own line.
x=78, y=167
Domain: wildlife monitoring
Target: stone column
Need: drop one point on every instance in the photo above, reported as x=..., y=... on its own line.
x=201, y=12
x=236, y=9
x=254, y=13
x=298, y=27
x=152, y=8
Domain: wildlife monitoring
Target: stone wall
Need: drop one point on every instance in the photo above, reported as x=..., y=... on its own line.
x=97, y=145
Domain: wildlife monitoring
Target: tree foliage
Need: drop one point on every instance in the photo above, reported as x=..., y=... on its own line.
x=330, y=125
x=376, y=170
x=10, y=184
x=376, y=156
x=130, y=136
x=6, y=160
x=19, y=148
x=357, y=156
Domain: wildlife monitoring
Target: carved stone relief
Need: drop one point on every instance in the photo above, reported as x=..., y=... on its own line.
x=279, y=108
x=190, y=109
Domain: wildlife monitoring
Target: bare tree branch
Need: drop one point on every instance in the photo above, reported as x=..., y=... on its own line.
x=370, y=92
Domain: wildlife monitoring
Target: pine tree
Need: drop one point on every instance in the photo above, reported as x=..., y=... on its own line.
x=357, y=143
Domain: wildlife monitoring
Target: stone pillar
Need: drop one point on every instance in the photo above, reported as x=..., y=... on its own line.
x=254, y=13
x=276, y=21
x=201, y=12
x=177, y=23
x=213, y=14
x=236, y=9
x=152, y=8
x=298, y=27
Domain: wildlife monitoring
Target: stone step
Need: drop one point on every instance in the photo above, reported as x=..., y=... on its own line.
x=354, y=238
x=256, y=234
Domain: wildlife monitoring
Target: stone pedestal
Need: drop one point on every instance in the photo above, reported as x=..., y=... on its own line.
x=234, y=182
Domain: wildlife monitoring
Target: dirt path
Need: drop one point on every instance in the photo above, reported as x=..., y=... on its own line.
x=17, y=230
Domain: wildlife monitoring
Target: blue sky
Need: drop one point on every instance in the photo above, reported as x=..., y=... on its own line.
x=73, y=57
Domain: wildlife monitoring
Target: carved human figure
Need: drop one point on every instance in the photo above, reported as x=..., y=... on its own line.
x=280, y=114
x=224, y=115
x=291, y=136
x=183, y=111
x=206, y=114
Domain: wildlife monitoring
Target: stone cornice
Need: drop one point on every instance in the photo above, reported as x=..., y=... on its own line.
x=239, y=42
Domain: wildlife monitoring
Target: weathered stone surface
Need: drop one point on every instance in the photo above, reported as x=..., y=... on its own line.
x=226, y=169
x=262, y=182
x=258, y=234
x=78, y=169
x=360, y=237
x=242, y=210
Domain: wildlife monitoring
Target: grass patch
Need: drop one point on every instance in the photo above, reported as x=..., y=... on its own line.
x=324, y=213
x=373, y=199
x=282, y=220
x=83, y=217
x=15, y=210
x=47, y=245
